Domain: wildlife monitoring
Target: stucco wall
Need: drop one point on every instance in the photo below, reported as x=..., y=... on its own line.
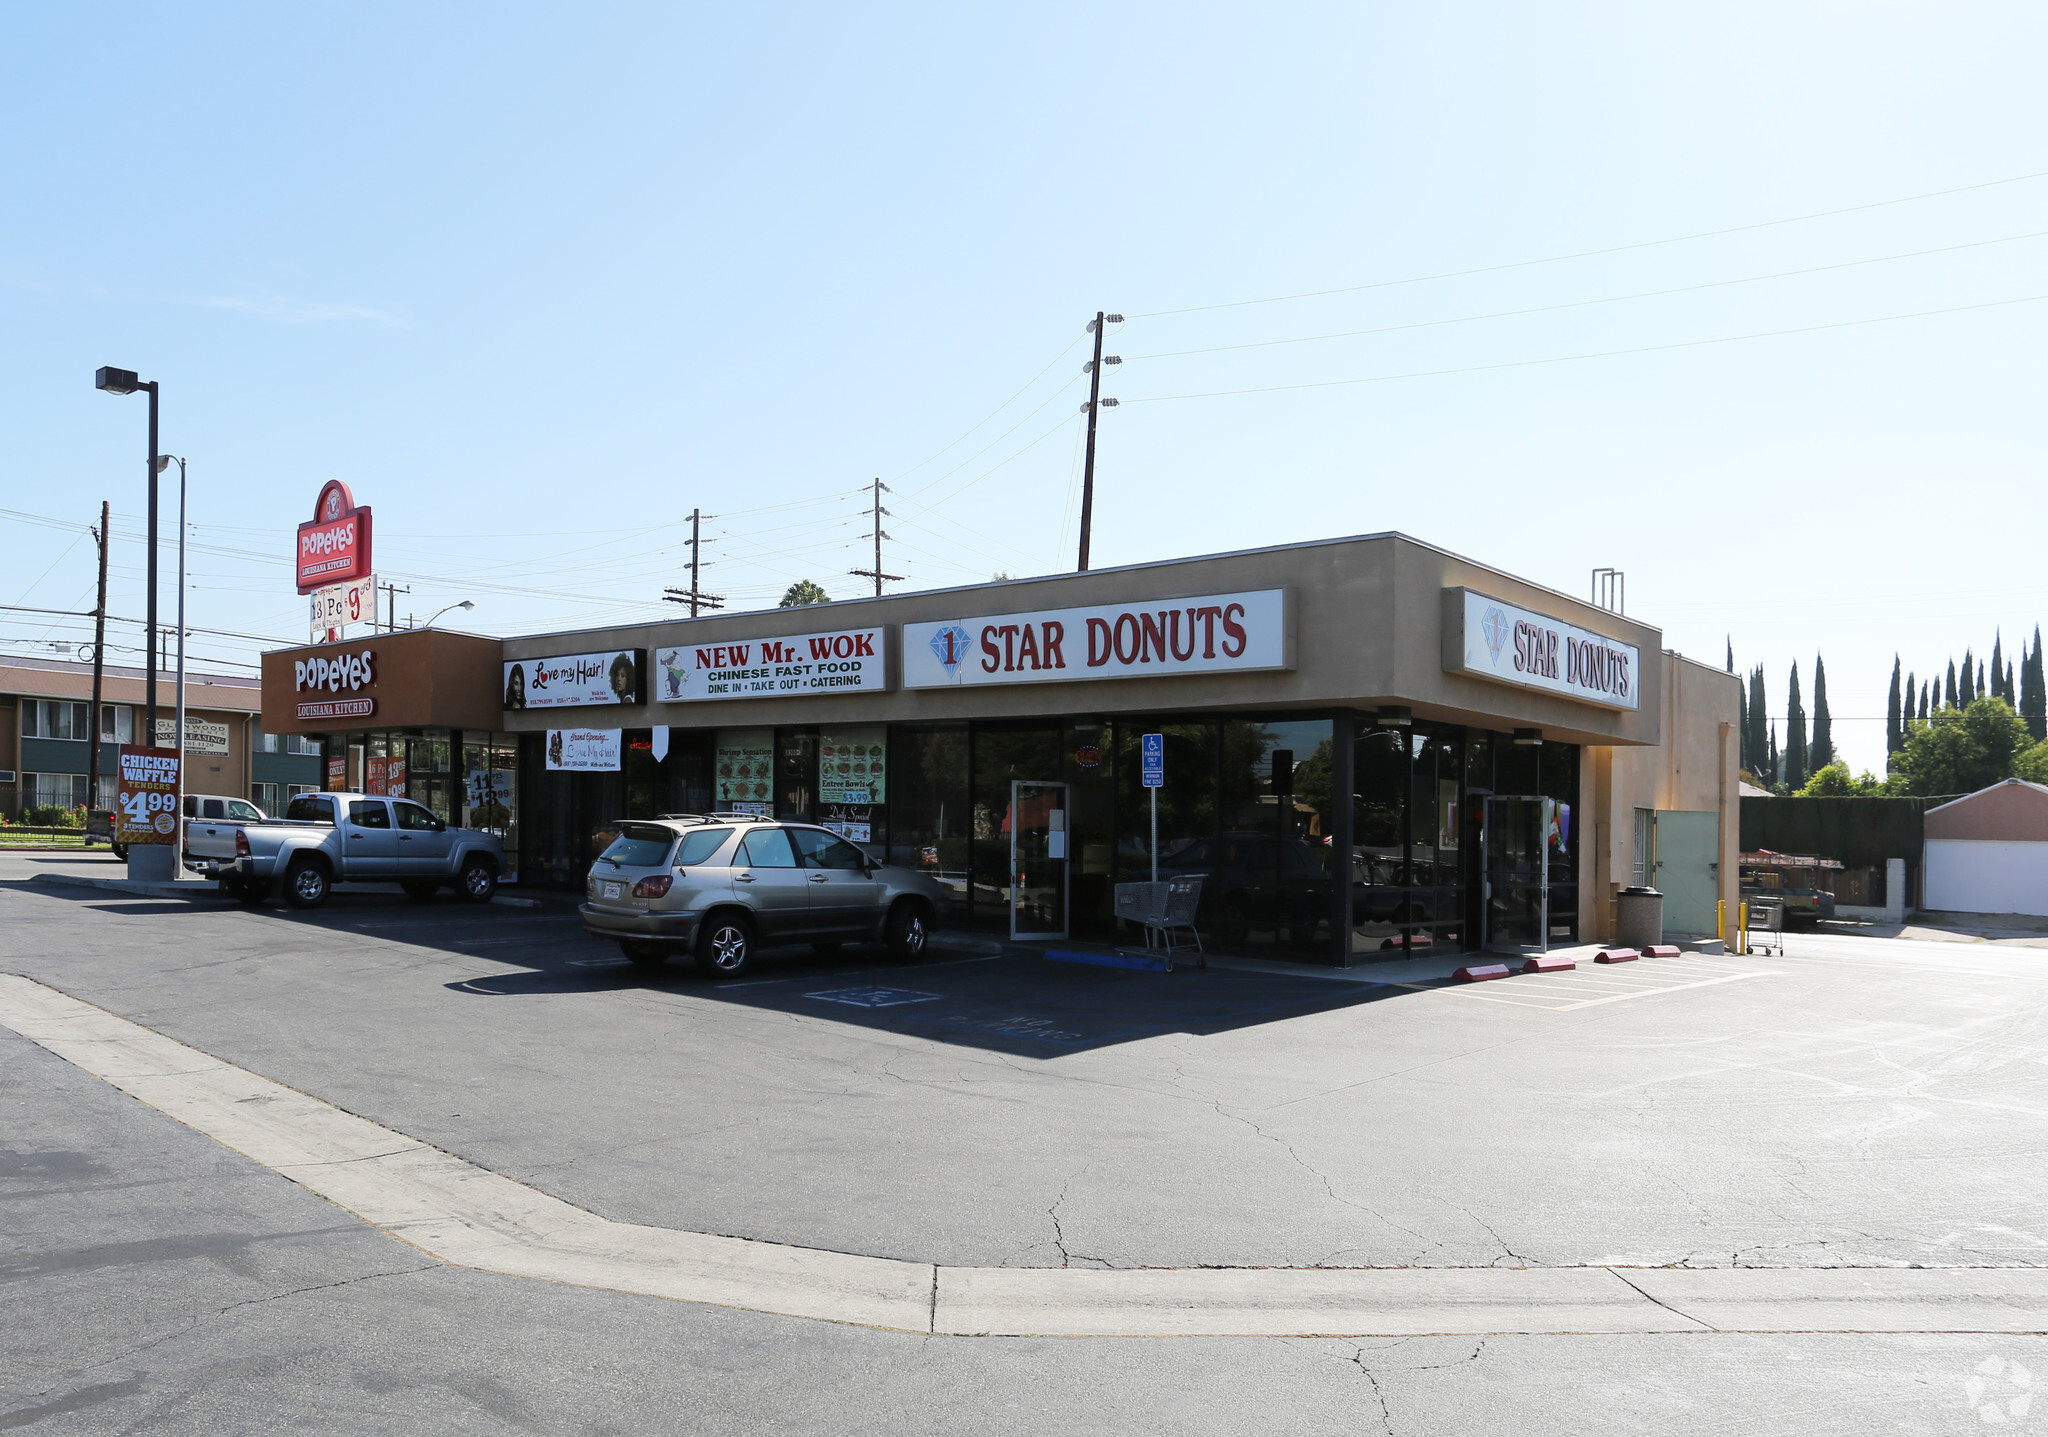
x=1693, y=769
x=2014, y=811
x=1985, y=876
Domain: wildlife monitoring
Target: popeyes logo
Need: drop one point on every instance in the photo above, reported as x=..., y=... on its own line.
x=334, y=547
x=1209, y=634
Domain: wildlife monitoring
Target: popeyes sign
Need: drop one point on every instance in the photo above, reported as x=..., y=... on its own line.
x=1218, y=633
x=334, y=547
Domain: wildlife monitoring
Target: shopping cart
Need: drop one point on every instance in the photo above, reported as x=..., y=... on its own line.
x=1164, y=909
x=1767, y=919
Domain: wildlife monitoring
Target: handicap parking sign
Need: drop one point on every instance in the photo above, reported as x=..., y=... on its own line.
x=1152, y=753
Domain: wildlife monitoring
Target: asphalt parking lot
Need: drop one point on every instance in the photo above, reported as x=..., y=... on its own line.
x=1854, y=1101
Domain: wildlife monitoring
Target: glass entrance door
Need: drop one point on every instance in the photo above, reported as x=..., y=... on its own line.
x=1038, y=860
x=1517, y=874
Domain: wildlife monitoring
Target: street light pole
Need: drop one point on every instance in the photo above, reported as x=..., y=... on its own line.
x=126, y=381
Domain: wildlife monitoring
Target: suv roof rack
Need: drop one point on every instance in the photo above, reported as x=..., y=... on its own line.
x=710, y=818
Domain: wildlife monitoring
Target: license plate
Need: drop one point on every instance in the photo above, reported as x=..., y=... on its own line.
x=612, y=890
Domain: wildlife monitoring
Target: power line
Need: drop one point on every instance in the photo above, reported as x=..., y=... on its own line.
x=1586, y=303
x=1598, y=354
x=1595, y=253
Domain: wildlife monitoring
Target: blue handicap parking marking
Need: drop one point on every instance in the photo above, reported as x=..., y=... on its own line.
x=874, y=997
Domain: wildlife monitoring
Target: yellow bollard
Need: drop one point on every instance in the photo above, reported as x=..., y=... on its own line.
x=1721, y=923
x=1743, y=929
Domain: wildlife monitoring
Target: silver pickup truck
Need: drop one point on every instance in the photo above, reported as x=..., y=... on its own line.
x=329, y=838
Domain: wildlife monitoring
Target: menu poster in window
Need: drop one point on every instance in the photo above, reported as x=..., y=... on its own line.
x=394, y=777
x=337, y=772
x=853, y=766
x=146, y=802
x=744, y=767
x=584, y=750
x=375, y=774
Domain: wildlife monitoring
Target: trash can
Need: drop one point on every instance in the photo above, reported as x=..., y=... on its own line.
x=1640, y=919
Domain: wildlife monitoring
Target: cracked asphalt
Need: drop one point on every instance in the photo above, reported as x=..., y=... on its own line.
x=1859, y=1101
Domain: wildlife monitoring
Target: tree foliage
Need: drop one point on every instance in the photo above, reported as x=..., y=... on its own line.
x=2032, y=765
x=1834, y=781
x=1823, y=752
x=1960, y=750
x=803, y=592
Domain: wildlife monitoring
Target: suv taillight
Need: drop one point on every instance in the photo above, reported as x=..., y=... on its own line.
x=653, y=887
x=241, y=844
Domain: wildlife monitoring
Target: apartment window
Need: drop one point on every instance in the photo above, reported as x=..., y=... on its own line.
x=117, y=723
x=55, y=718
x=286, y=743
x=53, y=790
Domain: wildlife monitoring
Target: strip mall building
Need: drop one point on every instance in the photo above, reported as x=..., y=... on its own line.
x=1372, y=746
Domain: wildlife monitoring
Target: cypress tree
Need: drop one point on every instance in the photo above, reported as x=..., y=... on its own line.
x=1977, y=691
x=1823, y=721
x=1969, y=689
x=1760, y=761
x=2034, y=691
x=1948, y=698
x=1998, y=664
x=1923, y=703
x=1773, y=761
x=2011, y=694
x=1894, y=726
x=1742, y=727
x=1795, y=736
x=1731, y=653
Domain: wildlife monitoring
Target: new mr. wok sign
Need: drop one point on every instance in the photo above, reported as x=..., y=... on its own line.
x=1489, y=638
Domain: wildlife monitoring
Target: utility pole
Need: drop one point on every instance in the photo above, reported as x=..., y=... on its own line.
x=391, y=593
x=99, y=649
x=879, y=489
x=1095, y=403
x=695, y=596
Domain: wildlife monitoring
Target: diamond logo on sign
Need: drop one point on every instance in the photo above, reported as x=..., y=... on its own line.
x=1494, y=628
x=951, y=644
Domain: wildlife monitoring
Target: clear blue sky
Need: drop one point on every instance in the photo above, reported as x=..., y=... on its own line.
x=537, y=280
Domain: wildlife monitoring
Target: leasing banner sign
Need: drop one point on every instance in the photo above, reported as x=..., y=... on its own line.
x=1216, y=633
x=1490, y=638
x=846, y=661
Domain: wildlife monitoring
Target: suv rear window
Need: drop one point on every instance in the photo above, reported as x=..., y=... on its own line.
x=699, y=844
x=640, y=845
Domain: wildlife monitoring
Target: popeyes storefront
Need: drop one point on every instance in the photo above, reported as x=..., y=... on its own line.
x=1372, y=747
x=413, y=713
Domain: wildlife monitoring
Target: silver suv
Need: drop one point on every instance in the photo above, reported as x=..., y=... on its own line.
x=719, y=885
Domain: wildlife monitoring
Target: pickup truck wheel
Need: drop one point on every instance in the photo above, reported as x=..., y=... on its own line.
x=306, y=884
x=420, y=888
x=725, y=946
x=645, y=954
x=910, y=929
x=479, y=881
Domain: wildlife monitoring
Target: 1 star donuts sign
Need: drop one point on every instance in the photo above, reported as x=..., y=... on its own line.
x=334, y=546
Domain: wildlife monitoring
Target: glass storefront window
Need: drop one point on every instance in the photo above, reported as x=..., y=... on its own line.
x=744, y=771
x=853, y=783
x=929, y=813
x=1003, y=756
x=490, y=791
x=796, y=774
x=1272, y=862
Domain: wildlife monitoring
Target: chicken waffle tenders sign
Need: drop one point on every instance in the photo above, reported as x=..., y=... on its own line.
x=146, y=802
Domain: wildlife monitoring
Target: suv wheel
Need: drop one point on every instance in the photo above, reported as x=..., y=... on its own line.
x=909, y=932
x=306, y=884
x=479, y=881
x=725, y=946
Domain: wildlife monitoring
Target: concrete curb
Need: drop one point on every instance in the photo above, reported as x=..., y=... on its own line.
x=467, y=1216
x=133, y=887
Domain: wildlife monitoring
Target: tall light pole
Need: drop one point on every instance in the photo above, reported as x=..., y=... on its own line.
x=465, y=604
x=1096, y=403
x=124, y=381
x=164, y=462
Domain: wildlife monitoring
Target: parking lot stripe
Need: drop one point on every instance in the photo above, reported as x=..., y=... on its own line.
x=468, y=1216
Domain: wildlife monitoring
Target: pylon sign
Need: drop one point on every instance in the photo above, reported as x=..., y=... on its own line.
x=334, y=546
